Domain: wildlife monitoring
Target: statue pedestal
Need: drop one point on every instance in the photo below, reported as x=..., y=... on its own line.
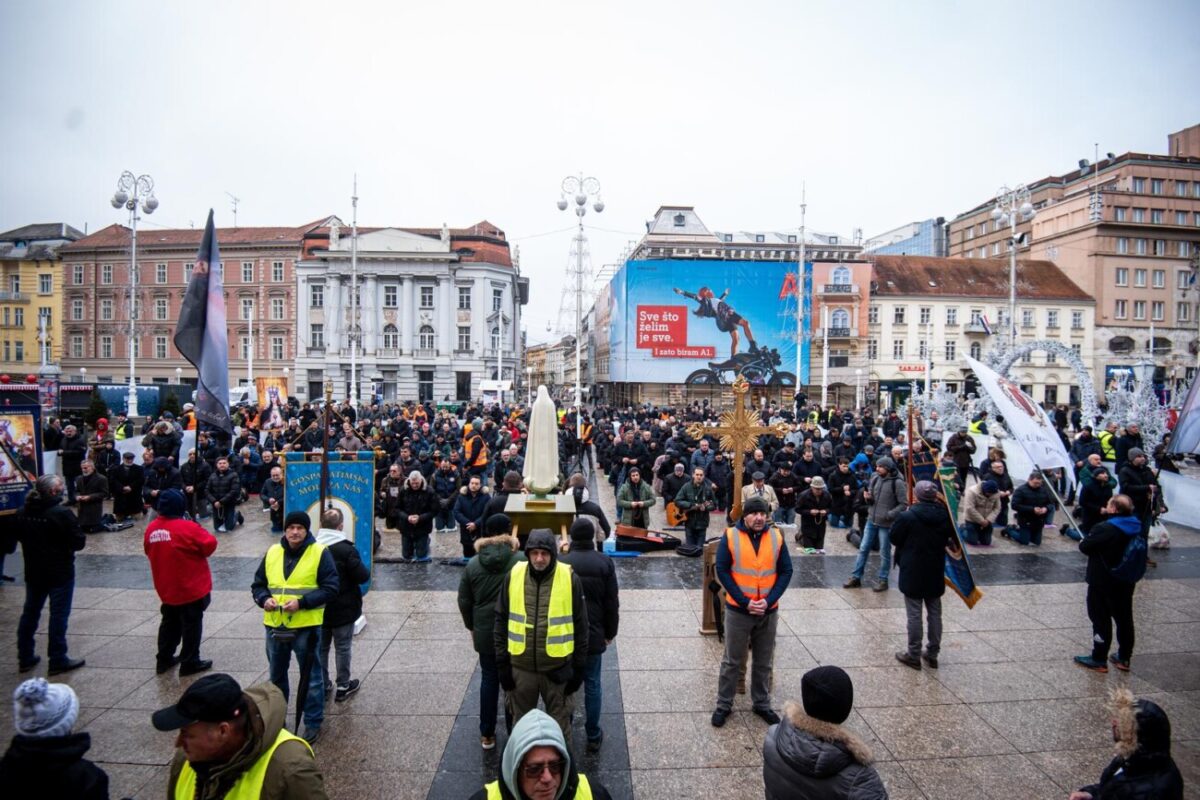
x=553, y=512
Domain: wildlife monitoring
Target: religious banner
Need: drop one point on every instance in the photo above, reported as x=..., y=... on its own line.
x=21, y=432
x=15, y=482
x=1027, y=421
x=957, y=567
x=351, y=490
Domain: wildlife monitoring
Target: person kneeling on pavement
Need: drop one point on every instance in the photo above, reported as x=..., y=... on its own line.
x=540, y=633
x=343, y=610
x=232, y=744
x=537, y=765
x=981, y=507
x=810, y=754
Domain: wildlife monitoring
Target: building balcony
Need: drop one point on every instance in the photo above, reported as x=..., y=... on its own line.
x=839, y=289
x=14, y=297
x=834, y=333
x=425, y=353
x=316, y=351
x=388, y=352
x=976, y=328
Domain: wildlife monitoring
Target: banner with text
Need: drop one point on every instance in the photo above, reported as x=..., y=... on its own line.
x=351, y=491
x=705, y=322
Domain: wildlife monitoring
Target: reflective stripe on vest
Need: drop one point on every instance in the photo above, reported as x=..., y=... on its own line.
x=1108, y=451
x=753, y=572
x=560, y=625
x=481, y=458
x=582, y=792
x=302, y=580
x=249, y=786
x=976, y=427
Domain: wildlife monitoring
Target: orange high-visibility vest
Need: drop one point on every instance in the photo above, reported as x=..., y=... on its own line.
x=753, y=572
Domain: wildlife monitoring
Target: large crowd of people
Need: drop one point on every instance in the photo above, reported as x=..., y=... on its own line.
x=540, y=618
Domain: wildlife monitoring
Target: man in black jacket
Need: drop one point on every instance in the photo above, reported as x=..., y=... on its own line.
x=1110, y=599
x=599, y=578
x=921, y=536
x=1032, y=504
x=50, y=537
x=224, y=492
x=72, y=449
x=344, y=609
x=1138, y=482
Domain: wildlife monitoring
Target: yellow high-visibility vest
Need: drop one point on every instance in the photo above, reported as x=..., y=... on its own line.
x=1108, y=450
x=303, y=579
x=560, y=624
x=582, y=792
x=249, y=786
x=976, y=427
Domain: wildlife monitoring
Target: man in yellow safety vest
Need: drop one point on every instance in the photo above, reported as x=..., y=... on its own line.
x=537, y=765
x=232, y=745
x=294, y=581
x=540, y=612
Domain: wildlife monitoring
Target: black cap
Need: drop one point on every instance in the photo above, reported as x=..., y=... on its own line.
x=213, y=698
x=827, y=693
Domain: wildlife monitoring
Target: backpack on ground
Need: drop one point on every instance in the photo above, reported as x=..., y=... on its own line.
x=1132, y=565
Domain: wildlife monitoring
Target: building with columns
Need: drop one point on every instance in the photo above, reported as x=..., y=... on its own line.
x=437, y=311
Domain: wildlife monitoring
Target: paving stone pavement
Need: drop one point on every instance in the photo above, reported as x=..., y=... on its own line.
x=1007, y=715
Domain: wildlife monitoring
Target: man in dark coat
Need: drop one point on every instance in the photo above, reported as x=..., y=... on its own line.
x=224, y=492
x=599, y=578
x=1132, y=438
x=921, y=536
x=812, y=507
x=125, y=486
x=1032, y=504
x=1138, y=481
x=1110, y=599
x=961, y=447
x=162, y=476
x=470, y=511
x=194, y=474
x=416, y=508
x=50, y=537
x=91, y=489
x=72, y=449
x=696, y=500
x=1093, y=499
x=344, y=609
x=720, y=474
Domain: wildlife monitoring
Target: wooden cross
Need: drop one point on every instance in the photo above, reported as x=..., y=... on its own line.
x=739, y=431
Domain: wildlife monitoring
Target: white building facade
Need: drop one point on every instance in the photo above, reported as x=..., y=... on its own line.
x=438, y=312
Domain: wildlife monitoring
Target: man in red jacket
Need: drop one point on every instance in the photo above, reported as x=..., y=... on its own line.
x=178, y=550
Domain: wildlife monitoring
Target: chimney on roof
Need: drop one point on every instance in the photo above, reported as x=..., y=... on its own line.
x=445, y=233
x=335, y=234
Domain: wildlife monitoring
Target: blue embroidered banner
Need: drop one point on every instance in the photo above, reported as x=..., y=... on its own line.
x=351, y=491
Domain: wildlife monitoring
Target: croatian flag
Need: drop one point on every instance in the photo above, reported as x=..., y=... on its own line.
x=987, y=327
x=200, y=333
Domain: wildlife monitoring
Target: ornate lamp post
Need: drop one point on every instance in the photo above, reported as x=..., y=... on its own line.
x=579, y=189
x=1012, y=206
x=134, y=192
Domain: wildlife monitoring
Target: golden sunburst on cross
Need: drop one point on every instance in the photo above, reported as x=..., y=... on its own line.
x=739, y=430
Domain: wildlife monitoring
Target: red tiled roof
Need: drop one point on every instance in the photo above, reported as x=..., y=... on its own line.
x=117, y=236
x=970, y=277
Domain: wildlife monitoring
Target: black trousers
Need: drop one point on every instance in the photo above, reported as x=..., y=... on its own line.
x=184, y=623
x=1106, y=604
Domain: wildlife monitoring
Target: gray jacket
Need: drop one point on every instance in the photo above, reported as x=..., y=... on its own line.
x=889, y=495
x=806, y=757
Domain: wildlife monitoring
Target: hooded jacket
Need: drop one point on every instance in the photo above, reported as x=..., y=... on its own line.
x=481, y=582
x=421, y=502
x=599, y=578
x=162, y=477
x=889, y=495
x=537, y=600
x=50, y=537
x=1143, y=768
x=292, y=773
x=538, y=729
x=178, y=550
x=52, y=766
x=1104, y=546
x=472, y=508
x=921, y=535
x=346, y=606
x=807, y=757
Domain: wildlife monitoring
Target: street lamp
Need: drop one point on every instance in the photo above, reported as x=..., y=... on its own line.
x=134, y=192
x=83, y=374
x=179, y=375
x=529, y=386
x=1013, y=205
x=579, y=188
x=858, y=402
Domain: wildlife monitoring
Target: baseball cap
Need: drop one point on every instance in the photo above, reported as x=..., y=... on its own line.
x=213, y=698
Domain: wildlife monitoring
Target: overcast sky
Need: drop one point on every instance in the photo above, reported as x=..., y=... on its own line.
x=460, y=111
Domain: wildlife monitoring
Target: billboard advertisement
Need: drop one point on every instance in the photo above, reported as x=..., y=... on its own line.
x=707, y=322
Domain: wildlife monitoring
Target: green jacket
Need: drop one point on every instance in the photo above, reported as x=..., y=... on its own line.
x=690, y=497
x=481, y=582
x=625, y=498
x=292, y=774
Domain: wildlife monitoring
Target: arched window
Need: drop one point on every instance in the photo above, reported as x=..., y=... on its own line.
x=391, y=337
x=841, y=276
x=495, y=339
x=426, y=337
x=976, y=350
x=840, y=318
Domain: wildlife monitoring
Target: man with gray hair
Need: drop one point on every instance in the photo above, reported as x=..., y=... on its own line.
x=49, y=535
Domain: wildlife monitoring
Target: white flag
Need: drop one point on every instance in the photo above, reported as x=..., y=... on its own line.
x=1028, y=422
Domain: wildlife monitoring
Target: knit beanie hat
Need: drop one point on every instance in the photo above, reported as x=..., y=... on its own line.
x=44, y=709
x=497, y=524
x=583, y=528
x=990, y=487
x=827, y=693
x=1134, y=452
x=298, y=518
x=926, y=492
x=756, y=505
x=171, y=503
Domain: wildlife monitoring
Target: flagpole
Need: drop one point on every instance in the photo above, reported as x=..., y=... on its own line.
x=355, y=331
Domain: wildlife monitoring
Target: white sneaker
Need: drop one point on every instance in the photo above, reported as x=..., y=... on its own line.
x=222, y=530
